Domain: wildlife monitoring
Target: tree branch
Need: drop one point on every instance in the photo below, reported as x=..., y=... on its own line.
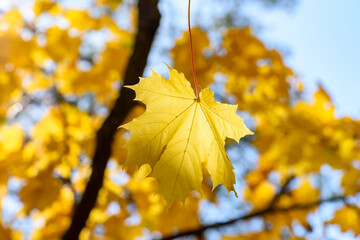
x=282, y=191
x=268, y=210
x=149, y=20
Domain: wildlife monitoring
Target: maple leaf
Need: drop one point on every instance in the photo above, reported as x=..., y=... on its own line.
x=178, y=133
x=348, y=219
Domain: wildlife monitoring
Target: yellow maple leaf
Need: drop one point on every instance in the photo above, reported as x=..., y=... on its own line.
x=261, y=196
x=45, y=187
x=46, y=6
x=305, y=194
x=348, y=219
x=178, y=133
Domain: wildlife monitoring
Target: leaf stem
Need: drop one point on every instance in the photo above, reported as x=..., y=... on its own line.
x=192, y=55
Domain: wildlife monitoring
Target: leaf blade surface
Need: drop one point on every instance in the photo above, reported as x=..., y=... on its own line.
x=178, y=133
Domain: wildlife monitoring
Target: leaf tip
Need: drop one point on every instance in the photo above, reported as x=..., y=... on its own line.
x=130, y=86
x=232, y=189
x=168, y=66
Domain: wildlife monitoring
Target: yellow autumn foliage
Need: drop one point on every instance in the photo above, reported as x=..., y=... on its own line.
x=59, y=81
x=348, y=219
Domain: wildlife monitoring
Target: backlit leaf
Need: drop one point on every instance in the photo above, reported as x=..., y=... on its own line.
x=178, y=133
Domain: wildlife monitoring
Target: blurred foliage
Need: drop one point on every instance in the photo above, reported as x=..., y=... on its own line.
x=56, y=87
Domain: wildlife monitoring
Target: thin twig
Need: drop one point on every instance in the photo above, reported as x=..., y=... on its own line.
x=263, y=212
x=282, y=191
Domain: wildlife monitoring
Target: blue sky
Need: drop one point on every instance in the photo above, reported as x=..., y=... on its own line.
x=323, y=37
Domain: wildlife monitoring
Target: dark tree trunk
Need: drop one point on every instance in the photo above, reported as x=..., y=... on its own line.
x=149, y=20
